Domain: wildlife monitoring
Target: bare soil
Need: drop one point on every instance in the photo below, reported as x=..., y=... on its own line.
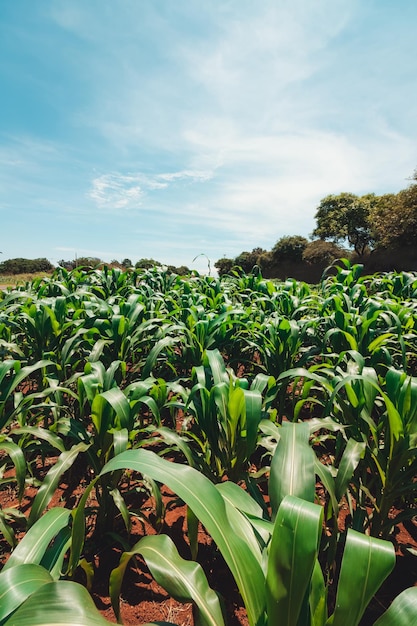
x=144, y=601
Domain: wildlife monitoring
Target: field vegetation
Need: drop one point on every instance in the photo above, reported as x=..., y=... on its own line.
x=282, y=416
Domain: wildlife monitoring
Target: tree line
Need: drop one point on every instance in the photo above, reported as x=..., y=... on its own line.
x=380, y=231
x=31, y=266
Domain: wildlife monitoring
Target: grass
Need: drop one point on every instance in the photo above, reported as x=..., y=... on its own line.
x=14, y=280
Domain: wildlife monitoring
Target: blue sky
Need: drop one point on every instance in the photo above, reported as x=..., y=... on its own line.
x=174, y=128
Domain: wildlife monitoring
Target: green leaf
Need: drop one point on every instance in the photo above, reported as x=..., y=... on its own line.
x=253, y=401
x=41, y=433
x=292, y=557
x=152, y=359
x=16, y=455
x=183, y=580
x=60, y=602
x=318, y=597
x=353, y=452
x=18, y=583
x=366, y=563
x=403, y=610
x=51, y=480
x=292, y=466
x=32, y=547
x=120, y=404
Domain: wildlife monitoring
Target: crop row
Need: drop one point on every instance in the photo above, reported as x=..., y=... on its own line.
x=223, y=390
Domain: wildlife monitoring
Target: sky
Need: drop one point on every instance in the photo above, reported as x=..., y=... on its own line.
x=176, y=129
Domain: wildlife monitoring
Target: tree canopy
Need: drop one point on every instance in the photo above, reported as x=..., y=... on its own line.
x=289, y=248
x=345, y=217
x=394, y=219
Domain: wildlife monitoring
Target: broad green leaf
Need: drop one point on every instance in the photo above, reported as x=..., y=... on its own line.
x=353, y=452
x=403, y=610
x=325, y=474
x=51, y=480
x=120, y=404
x=366, y=563
x=214, y=360
x=152, y=359
x=173, y=438
x=16, y=455
x=61, y=602
x=239, y=498
x=32, y=548
x=6, y=529
x=183, y=580
x=54, y=557
x=208, y=505
x=18, y=583
x=240, y=524
x=78, y=528
x=292, y=466
x=292, y=557
x=41, y=433
x=253, y=402
x=318, y=597
x=120, y=440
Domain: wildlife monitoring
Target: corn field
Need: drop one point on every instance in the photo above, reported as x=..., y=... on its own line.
x=225, y=391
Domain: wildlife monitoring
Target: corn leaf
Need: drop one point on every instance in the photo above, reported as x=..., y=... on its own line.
x=183, y=580
x=292, y=557
x=366, y=563
x=18, y=583
x=60, y=602
x=403, y=610
x=51, y=480
x=292, y=466
x=353, y=452
x=16, y=455
x=34, y=544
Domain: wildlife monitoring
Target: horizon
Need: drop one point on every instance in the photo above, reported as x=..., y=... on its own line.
x=149, y=130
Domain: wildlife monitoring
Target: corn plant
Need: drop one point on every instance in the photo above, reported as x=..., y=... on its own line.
x=221, y=418
x=275, y=563
x=382, y=419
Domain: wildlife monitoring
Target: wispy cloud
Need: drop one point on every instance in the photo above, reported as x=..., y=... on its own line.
x=126, y=191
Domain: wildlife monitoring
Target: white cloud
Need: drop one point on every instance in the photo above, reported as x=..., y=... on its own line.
x=126, y=191
x=115, y=191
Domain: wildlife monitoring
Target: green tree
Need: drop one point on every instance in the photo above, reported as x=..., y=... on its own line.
x=394, y=219
x=146, y=264
x=346, y=217
x=248, y=260
x=289, y=248
x=224, y=266
x=25, y=266
x=320, y=252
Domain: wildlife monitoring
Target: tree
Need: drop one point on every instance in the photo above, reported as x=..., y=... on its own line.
x=146, y=264
x=289, y=248
x=248, y=260
x=127, y=263
x=320, y=252
x=223, y=266
x=394, y=219
x=88, y=262
x=346, y=218
x=25, y=266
